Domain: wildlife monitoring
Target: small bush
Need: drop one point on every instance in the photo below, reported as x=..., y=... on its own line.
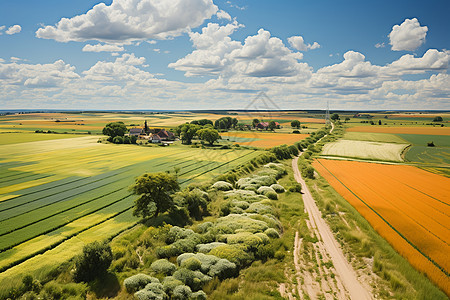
x=200, y=295
x=118, y=140
x=181, y=292
x=295, y=188
x=272, y=233
x=152, y=291
x=163, y=266
x=222, y=186
x=272, y=195
x=278, y=188
x=170, y=283
x=265, y=189
x=223, y=269
x=205, y=248
x=138, y=282
x=233, y=253
x=93, y=262
x=191, y=263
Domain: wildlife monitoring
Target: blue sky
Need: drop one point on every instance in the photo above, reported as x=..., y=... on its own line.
x=205, y=54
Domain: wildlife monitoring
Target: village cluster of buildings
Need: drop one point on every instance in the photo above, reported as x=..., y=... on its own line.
x=154, y=135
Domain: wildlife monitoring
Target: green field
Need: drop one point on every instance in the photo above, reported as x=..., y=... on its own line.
x=25, y=137
x=57, y=195
x=364, y=150
x=421, y=153
x=374, y=137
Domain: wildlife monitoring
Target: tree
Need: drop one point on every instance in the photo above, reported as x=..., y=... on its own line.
x=379, y=122
x=347, y=119
x=295, y=124
x=272, y=125
x=255, y=122
x=155, y=190
x=202, y=122
x=93, y=262
x=334, y=117
x=114, y=129
x=187, y=132
x=146, y=129
x=234, y=122
x=437, y=119
x=209, y=135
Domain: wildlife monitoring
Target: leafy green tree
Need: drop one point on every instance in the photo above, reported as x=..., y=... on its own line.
x=93, y=262
x=437, y=119
x=118, y=140
x=347, y=119
x=295, y=124
x=255, y=122
x=272, y=125
x=146, y=129
x=335, y=117
x=155, y=190
x=202, y=122
x=234, y=122
x=209, y=135
x=114, y=129
x=187, y=132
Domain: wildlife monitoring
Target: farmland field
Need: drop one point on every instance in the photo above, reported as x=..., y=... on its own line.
x=22, y=137
x=365, y=150
x=409, y=207
x=263, y=139
x=402, y=130
x=57, y=195
x=374, y=137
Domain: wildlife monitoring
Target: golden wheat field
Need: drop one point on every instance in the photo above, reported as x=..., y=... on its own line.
x=408, y=206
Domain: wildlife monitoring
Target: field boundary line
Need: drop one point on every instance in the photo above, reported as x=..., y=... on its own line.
x=392, y=227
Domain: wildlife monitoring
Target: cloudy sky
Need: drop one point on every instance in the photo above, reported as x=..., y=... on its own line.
x=210, y=54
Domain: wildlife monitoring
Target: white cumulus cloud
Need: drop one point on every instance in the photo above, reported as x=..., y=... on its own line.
x=432, y=60
x=298, y=43
x=125, y=21
x=407, y=36
x=102, y=48
x=221, y=14
x=14, y=29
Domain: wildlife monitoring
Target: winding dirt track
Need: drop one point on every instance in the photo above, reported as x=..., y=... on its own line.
x=347, y=276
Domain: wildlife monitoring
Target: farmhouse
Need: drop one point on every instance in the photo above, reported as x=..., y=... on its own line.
x=265, y=125
x=136, y=131
x=162, y=135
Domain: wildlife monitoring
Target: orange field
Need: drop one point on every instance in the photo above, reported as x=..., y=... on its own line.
x=402, y=130
x=265, y=139
x=408, y=206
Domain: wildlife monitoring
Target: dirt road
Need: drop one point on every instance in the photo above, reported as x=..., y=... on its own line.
x=346, y=277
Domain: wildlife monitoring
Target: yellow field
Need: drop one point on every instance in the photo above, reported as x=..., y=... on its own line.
x=402, y=130
x=408, y=206
x=365, y=150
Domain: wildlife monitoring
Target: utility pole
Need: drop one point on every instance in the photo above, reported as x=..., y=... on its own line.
x=327, y=114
